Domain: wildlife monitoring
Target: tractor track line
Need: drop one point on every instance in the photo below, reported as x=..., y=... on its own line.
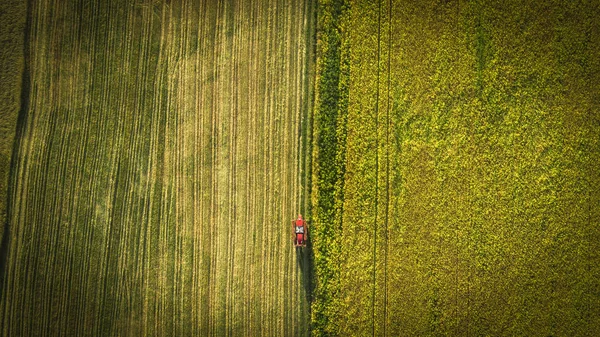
x=233, y=178
x=251, y=191
x=215, y=138
x=198, y=245
x=203, y=172
x=253, y=175
x=376, y=165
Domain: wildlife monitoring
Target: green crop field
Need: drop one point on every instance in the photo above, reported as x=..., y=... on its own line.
x=456, y=181
x=158, y=166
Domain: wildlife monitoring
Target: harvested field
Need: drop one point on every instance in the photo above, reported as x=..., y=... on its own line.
x=159, y=164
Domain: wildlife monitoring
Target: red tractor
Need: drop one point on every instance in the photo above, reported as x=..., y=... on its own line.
x=300, y=231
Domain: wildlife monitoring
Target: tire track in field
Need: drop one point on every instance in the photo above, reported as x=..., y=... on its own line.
x=376, y=202
x=155, y=193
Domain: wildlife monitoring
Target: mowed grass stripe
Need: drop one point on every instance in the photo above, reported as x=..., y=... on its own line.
x=254, y=305
x=205, y=151
x=70, y=202
x=147, y=189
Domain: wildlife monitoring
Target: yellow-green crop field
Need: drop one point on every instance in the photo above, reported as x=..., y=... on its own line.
x=456, y=181
x=159, y=161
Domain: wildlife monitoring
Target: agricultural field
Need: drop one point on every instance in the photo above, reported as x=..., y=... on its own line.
x=154, y=153
x=456, y=182
x=162, y=152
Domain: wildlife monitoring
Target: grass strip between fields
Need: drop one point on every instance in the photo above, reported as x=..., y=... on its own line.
x=330, y=115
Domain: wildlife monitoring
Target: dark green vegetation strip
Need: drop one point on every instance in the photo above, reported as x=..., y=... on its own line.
x=329, y=163
x=13, y=15
x=158, y=170
x=461, y=191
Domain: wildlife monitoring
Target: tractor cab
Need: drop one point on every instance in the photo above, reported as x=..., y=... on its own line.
x=300, y=231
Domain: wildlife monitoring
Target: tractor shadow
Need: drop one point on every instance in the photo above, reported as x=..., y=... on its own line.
x=304, y=261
